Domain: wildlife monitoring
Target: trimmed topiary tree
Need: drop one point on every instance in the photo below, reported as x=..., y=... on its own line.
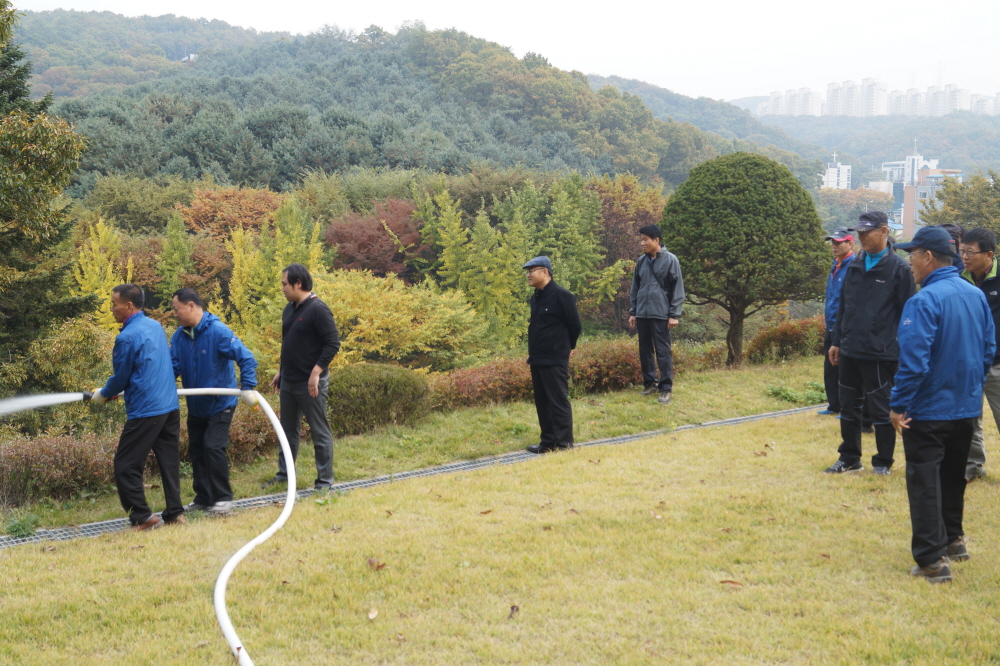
x=747, y=236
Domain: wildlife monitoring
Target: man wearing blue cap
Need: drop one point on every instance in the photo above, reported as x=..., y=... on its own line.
x=876, y=286
x=946, y=341
x=553, y=329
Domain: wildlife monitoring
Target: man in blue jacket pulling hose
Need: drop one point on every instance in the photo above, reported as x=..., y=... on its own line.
x=946, y=347
x=203, y=350
x=141, y=362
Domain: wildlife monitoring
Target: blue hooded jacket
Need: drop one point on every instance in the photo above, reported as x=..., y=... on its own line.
x=834, y=285
x=946, y=346
x=203, y=358
x=141, y=361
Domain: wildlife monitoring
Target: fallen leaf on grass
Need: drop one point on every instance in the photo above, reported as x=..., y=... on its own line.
x=372, y=614
x=760, y=453
x=726, y=529
x=48, y=549
x=201, y=644
x=594, y=461
x=375, y=564
x=388, y=513
x=846, y=506
x=486, y=512
x=824, y=556
x=735, y=584
x=401, y=638
x=513, y=611
x=573, y=511
x=547, y=528
x=336, y=528
x=136, y=547
x=284, y=582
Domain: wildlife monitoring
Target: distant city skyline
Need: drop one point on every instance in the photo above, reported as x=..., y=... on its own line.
x=735, y=50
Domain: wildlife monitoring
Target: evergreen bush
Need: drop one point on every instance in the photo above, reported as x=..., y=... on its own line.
x=368, y=395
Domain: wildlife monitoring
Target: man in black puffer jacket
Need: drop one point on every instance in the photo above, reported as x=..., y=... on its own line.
x=877, y=285
x=552, y=333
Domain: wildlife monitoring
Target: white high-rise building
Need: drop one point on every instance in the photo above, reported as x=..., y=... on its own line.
x=956, y=99
x=873, y=99
x=896, y=105
x=837, y=176
x=982, y=104
x=916, y=102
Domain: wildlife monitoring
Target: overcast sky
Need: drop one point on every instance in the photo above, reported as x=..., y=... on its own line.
x=722, y=50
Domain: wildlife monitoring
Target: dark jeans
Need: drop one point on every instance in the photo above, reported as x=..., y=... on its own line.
x=936, y=454
x=296, y=402
x=655, y=351
x=831, y=375
x=207, y=443
x=158, y=434
x=858, y=378
x=555, y=414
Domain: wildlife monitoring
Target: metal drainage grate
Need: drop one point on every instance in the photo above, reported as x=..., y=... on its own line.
x=120, y=524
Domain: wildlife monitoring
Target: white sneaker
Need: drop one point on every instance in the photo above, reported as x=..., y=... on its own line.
x=221, y=507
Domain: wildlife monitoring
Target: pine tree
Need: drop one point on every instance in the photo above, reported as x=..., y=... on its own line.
x=175, y=261
x=14, y=89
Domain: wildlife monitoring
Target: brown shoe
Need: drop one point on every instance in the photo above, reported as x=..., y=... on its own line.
x=179, y=520
x=150, y=523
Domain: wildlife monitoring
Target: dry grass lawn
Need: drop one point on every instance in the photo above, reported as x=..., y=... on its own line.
x=716, y=546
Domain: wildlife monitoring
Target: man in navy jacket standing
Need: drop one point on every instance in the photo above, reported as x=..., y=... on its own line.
x=141, y=362
x=876, y=286
x=553, y=330
x=842, y=246
x=947, y=342
x=203, y=350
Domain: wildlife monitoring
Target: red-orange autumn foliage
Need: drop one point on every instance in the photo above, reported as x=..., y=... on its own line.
x=217, y=211
x=364, y=244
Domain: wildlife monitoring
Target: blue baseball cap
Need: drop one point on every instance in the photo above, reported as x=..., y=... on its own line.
x=539, y=261
x=930, y=238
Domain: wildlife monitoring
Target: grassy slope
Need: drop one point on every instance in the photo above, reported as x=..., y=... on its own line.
x=612, y=555
x=473, y=433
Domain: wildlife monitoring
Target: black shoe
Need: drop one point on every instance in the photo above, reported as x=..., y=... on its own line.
x=867, y=429
x=664, y=398
x=272, y=482
x=538, y=449
x=840, y=467
x=650, y=390
x=957, y=550
x=939, y=572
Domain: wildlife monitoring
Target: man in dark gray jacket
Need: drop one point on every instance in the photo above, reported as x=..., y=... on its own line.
x=655, y=307
x=876, y=287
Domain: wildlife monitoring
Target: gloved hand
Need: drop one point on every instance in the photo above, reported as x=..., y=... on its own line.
x=248, y=398
x=97, y=398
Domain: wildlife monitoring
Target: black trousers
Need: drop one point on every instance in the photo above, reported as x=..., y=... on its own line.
x=936, y=455
x=831, y=375
x=555, y=414
x=655, y=352
x=208, y=440
x=857, y=378
x=159, y=434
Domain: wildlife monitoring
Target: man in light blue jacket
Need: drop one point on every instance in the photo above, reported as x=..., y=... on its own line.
x=141, y=361
x=203, y=350
x=946, y=341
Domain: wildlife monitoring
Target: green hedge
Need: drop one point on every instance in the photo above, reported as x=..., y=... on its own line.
x=368, y=395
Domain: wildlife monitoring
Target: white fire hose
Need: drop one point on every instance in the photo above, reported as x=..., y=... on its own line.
x=242, y=658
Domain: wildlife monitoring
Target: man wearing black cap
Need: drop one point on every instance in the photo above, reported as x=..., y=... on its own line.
x=877, y=285
x=656, y=300
x=842, y=246
x=946, y=341
x=553, y=329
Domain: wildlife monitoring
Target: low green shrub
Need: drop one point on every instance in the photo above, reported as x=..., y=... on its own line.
x=814, y=394
x=368, y=395
x=787, y=340
x=500, y=380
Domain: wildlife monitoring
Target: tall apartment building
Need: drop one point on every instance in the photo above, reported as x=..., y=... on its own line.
x=837, y=176
x=872, y=98
x=918, y=179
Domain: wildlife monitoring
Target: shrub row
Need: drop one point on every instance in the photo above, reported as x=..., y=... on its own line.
x=368, y=395
x=55, y=465
x=787, y=340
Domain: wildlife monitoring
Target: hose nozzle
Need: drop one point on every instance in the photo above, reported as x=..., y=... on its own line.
x=87, y=395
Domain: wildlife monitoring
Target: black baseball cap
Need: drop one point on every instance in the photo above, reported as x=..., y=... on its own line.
x=873, y=219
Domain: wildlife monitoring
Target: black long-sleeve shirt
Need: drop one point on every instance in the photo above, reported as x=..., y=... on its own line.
x=554, y=326
x=308, y=338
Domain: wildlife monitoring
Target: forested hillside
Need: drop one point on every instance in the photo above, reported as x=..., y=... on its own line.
x=960, y=140
x=78, y=53
x=418, y=99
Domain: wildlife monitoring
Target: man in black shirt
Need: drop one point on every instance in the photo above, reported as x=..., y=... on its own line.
x=552, y=333
x=309, y=341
